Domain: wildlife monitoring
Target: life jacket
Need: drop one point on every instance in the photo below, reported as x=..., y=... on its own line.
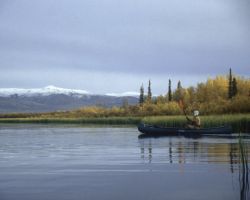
x=196, y=121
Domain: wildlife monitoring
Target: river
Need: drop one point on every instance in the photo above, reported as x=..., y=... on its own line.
x=50, y=162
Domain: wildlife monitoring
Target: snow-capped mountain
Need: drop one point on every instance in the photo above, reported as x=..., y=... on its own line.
x=125, y=94
x=53, y=98
x=49, y=90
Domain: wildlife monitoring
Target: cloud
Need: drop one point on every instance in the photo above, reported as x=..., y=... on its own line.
x=134, y=37
x=93, y=81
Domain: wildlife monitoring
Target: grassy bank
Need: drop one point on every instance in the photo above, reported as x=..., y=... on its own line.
x=106, y=120
x=239, y=122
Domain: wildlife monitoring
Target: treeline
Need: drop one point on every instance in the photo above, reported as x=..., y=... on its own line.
x=221, y=95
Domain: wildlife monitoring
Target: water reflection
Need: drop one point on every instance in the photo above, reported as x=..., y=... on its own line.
x=170, y=152
x=212, y=150
x=179, y=150
x=148, y=154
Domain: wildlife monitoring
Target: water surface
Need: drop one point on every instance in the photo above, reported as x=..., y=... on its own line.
x=110, y=163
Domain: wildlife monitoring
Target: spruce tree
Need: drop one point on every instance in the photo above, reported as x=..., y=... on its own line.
x=141, y=98
x=169, y=91
x=179, y=85
x=149, y=98
x=234, y=87
x=230, y=84
x=178, y=94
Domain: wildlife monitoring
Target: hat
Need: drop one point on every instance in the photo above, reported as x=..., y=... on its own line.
x=196, y=113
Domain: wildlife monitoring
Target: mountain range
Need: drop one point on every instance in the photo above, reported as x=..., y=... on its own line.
x=51, y=98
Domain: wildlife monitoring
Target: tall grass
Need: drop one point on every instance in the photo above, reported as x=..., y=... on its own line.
x=239, y=123
x=108, y=120
x=243, y=169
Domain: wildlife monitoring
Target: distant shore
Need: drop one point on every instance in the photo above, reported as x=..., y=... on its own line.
x=92, y=120
x=239, y=122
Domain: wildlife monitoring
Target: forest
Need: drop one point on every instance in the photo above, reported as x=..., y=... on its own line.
x=220, y=95
x=228, y=94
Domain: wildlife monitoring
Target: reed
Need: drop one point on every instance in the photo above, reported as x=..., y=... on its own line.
x=239, y=122
x=104, y=120
x=243, y=169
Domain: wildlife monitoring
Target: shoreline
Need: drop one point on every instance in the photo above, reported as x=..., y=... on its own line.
x=106, y=120
x=239, y=122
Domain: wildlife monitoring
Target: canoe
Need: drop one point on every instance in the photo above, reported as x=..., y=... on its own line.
x=173, y=131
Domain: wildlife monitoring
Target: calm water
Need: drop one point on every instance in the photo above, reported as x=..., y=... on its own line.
x=111, y=163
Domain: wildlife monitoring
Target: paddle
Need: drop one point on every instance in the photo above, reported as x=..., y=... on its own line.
x=183, y=109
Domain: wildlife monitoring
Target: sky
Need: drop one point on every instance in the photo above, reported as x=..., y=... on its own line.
x=113, y=46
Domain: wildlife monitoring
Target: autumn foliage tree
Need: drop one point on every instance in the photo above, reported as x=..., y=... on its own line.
x=210, y=97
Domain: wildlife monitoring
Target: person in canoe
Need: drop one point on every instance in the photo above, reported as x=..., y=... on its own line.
x=194, y=123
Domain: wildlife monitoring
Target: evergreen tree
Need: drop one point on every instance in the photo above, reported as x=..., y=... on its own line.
x=230, y=84
x=179, y=85
x=234, y=87
x=178, y=94
x=169, y=91
x=141, y=98
x=149, y=97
